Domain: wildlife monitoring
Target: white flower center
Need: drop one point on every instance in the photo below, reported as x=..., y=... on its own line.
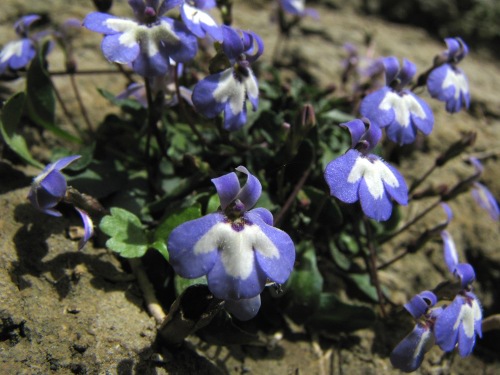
x=423, y=340
x=149, y=37
x=375, y=173
x=467, y=317
x=403, y=106
x=197, y=16
x=456, y=80
x=11, y=49
x=229, y=88
x=236, y=247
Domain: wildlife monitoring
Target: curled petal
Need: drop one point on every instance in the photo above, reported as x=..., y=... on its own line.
x=357, y=128
x=391, y=66
x=486, y=200
x=232, y=44
x=407, y=72
x=251, y=191
x=227, y=187
x=465, y=272
x=88, y=227
x=22, y=25
x=450, y=251
x=243, y=309
x=420, y=303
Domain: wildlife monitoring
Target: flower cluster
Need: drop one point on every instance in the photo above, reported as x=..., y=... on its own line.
x=396, y=108
x=361, y=175
x=237, y=247
x=148, y=42
x=449, y=326
x=229, y=89
x=49, y=188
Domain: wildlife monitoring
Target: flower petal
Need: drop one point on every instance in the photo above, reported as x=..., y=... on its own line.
x=116, y=50
x=228, y=187
x=337, y=173
x=107, y=24
x=225, y=285
x=450, y=251
x=409, y=353
x=243, y=309
x=448, y=322
x=483, y=196
x=274, y=250
x=192, y=253
x=251, y=191
x=204, y=99
x=88, y=227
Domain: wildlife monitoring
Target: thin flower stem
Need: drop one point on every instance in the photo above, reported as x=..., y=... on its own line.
x=85, y=72
x=393, y=260
x=83, y=110
x=183, y=108
x=410, y=223
x=317, y=212
x=65, y=109
x=372, y=263
x=491, y=323
x=279, y=216
x=153, y=118
x=417, y=183
x=148, y=291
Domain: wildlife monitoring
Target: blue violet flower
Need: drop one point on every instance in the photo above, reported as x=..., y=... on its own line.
x=228, y=90
x=148, y=43
x=49, y=188
x=447, y=82
x=460, y=322
x=17, y=54
x=360, y=175
x=409, y=353
x=482, y=195
x=238, y=249
x=298, y=8
x=396, y=108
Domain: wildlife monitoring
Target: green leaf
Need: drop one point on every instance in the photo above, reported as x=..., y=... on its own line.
x=337, y=116
x=340, y=259
x=169, y=223
x=128, y=237
x=363, y=282
x=10, y=117
x=213, y=204
x=122, y=103
x=181, y=284
x=40, y=96
x=334, y=315
x=304, y=287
